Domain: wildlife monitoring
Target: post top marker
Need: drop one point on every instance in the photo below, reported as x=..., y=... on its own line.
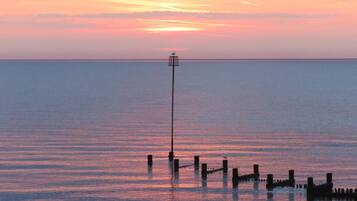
x=174, y=60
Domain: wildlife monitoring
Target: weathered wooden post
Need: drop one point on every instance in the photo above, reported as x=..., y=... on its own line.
x=150, y=160
x=329, y=182
x=197, y=162
x=329, y=178
x=176, y=165
x=310, y=182
x=270, y=182
x=235, y=177
x=292, y=178
x=256, y=172
x=310, y=188
x=204, y=170
x=225, y=166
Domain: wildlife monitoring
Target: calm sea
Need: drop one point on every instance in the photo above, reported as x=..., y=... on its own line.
x=81, y=130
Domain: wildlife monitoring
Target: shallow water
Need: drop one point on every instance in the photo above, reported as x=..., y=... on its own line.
x=74, y=130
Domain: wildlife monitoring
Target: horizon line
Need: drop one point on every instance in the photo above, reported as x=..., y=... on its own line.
x=164, y=59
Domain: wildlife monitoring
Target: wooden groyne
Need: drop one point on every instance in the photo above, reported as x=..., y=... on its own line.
x=326, y=191
x=244, y=178
x=271, y=184
x=177, y=166
x=205, y=171
x=313, y=191
x=341, y=193
x=321, y=190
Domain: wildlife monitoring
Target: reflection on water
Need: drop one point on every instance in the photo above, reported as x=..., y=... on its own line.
x=150, y=174
x=291, y=195
x=225, y=182
x=204, y=183
x=235, y=196
x=82, y=130
x=225, y=187
x=270, y=196
x=256, y=190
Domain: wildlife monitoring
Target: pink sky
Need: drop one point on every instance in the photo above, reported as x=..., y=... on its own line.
x=119, y=29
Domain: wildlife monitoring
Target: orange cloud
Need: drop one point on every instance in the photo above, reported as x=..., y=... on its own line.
x=158, y=26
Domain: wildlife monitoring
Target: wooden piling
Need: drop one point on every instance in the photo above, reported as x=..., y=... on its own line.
x=270, y=182
x=235, y=177
x=329, y=178
x=310, y=187
x=292, y=178
x=225, y=166
x=197, y=162
x=256, y=172
x=204, y=170
x=150, y=160
x=310, y=182
x=176, y=165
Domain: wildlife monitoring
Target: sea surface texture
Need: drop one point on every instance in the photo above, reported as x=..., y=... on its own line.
x=81, y=130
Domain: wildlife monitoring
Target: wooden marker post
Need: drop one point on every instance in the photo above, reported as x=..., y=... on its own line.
x=173, y=62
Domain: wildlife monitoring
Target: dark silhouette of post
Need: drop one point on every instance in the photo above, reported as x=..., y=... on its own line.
x=150, y=160
x=310, y=188
x=235, y=177
x=256, y=172
x=225, y=166
x=204, y=170
x=176, y=165
x=329, y=178
x=173, y=61
x=329, y=183
x=291, y=178
x=270, y=182
x=197, y=162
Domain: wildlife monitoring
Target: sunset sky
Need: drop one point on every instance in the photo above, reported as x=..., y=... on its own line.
x=120, y=29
